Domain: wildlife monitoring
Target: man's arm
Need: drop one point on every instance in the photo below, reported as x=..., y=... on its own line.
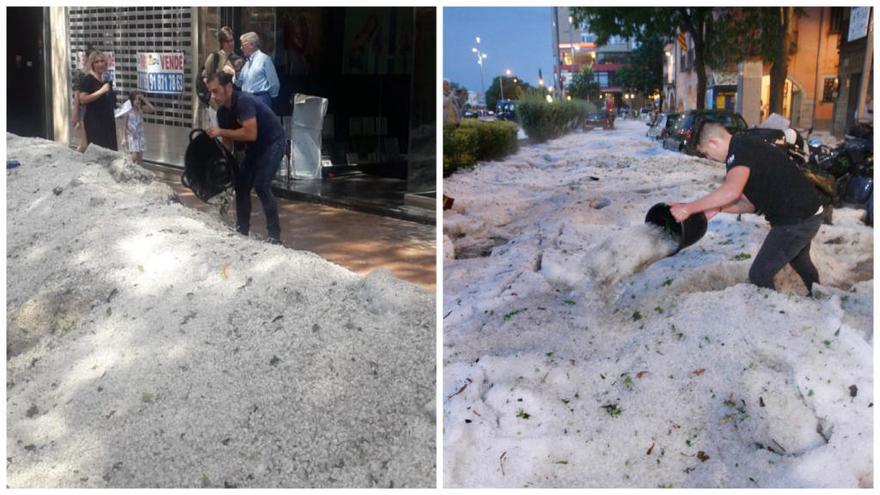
x=247, y=132
x=86, y=98
x=742, y=205
x=728, y=193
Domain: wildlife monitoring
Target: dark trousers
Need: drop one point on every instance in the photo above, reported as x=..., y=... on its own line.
x=256, y=172
x=787, y=244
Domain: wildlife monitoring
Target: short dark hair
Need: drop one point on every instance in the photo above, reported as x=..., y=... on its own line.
x=711, y=130
x=223, y=78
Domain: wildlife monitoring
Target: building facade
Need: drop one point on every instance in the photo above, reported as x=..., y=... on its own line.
x=822, y=68
x=853, y=89
x=574, y=48
x=376, y=67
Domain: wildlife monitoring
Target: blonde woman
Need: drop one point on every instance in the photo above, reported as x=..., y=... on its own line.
x=96, y=93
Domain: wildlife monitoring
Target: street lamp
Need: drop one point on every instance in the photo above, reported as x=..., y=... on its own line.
x=501, y=81
x=480, y=58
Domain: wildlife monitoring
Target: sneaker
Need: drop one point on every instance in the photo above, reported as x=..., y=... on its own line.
x=273, y=240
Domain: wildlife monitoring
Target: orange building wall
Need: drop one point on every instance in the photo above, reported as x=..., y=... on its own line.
x=802, y=66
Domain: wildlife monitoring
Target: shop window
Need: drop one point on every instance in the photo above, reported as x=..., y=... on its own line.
x=260, y=20
x=565, y=55
x=122, y=32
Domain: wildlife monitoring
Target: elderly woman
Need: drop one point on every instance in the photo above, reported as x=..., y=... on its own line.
x=96, y=92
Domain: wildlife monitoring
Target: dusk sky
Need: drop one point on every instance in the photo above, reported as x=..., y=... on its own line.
x=518, y=39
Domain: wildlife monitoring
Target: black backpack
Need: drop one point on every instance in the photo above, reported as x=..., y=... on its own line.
x=202, y=90
x=209, y=168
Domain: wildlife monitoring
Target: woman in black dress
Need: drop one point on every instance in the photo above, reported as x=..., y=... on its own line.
x=96, y=91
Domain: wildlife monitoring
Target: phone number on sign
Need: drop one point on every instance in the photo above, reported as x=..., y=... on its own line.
x=158, y=82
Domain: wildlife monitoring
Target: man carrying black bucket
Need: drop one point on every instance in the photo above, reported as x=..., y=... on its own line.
x=243, y=118
x=761, y=179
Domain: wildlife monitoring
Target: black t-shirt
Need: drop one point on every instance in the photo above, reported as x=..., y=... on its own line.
x=777, y=188
x=244, y=106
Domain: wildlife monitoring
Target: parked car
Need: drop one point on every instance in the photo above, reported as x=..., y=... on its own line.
x=668, y=125
x=599, y=118
x=682, y=136
x=506, y=110
x=656, y=123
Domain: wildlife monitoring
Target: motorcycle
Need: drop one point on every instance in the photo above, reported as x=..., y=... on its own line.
x=851, y=163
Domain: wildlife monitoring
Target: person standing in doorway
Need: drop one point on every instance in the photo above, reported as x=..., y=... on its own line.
x=243, y=118
x=96, y=93
x=258, y=76
x=78, y=111
x=219, y=60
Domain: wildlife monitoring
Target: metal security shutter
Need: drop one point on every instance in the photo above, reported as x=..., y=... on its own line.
x=126, y=31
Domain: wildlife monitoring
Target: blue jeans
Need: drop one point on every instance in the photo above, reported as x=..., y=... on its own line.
x=256, y=172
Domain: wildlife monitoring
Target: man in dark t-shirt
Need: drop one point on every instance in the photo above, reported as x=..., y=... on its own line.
x=761, y=179
x=244, y=119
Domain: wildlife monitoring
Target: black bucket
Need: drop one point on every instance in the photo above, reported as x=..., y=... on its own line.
x=688, y=232
x=209, y=168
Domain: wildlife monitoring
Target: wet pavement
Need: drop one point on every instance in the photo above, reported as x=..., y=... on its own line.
x=361, y=242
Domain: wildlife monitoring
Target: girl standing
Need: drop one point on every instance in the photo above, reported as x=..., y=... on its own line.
x=135, y=125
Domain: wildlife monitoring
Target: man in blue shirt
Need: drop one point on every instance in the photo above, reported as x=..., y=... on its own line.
x=245, y=119
x=258, y=75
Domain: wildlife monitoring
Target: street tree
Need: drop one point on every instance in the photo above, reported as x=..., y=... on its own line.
x=763, y=33
x=641, y=23
x=721, y=36
x=514, y=89
x=584, y=86
x=644, y=74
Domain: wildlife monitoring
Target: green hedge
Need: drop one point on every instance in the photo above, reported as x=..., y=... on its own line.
x=474, y=140
x=542, y=120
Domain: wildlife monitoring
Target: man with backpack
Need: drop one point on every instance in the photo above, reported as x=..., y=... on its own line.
x=221, y=60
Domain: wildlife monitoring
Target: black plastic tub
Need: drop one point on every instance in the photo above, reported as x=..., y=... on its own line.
x=688, y=232
x=209, y=168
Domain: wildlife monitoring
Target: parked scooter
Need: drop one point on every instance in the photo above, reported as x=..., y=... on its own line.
x=851, y=163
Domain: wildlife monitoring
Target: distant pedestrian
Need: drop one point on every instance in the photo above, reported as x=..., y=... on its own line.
x=137, y=140
x=451, y=112
x=96, y=92
x=609, y=112
x=258, y=76
x=77, y=111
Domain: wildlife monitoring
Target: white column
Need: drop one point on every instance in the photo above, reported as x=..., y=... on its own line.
x=61, y=83
x=748, y=92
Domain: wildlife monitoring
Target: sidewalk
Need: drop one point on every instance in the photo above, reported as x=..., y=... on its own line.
x=361, y=242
